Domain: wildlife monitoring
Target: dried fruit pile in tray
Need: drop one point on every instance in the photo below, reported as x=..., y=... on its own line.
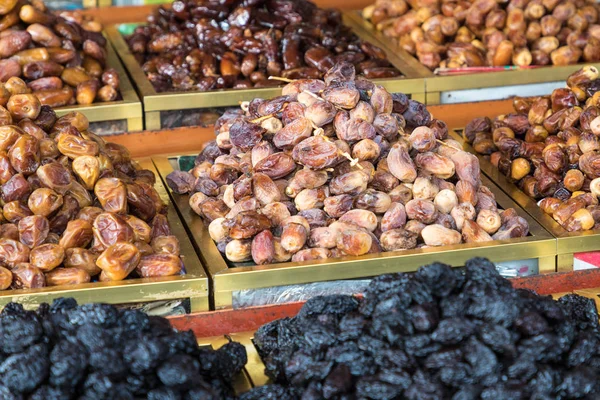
x=338, y=167
x=550, y=148
x=456, y=34
x=206, y=45
x=74, y=208
x=94, y=351
x=61, y=58
x=436, y=334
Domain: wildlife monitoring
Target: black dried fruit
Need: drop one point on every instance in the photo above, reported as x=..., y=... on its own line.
x=439, y=333
x=95, y=351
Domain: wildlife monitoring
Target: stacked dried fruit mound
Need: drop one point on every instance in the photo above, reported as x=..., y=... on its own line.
x=74, y=208
x=338, y=167
x=474, y=33
x=207, y=44
x=436, y=334
x=550, y=148
x=61, y=58
x=64, y=351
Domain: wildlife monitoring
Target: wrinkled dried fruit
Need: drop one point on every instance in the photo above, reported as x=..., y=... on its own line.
x=157, y=265
x=354, y=242
x=324, y=174
x=118, y=260
x=47, y=257
x=437, y=235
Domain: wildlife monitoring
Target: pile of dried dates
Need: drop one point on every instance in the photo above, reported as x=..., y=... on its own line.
x=74, y=208
x=467, y=33
x=338, y=167
x=61, y=58
x=438, y=333
x=205, y=45
x=550, y=148
x=64, y=351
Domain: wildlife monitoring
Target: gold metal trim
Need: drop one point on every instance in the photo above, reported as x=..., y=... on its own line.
x=407, y=64
x=434, y=84
x=193, y=285
x=154, y=101
x=89, y=3
x=128, y=108
x=568, y=243
x=225, y=280
x=504, y=78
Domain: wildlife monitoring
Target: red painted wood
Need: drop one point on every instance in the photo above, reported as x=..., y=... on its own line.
x=217, y=323
x=561, y=282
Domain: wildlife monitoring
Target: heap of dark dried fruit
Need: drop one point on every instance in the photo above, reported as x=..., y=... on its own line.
x=550, y=147
x=61, y=58
x=208, y=44
x=473, y=33
x=94, y=351
x=339, y=167
x=74, y=208
x=436, y=334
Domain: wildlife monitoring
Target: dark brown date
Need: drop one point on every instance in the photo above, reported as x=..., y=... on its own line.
x=248, y=43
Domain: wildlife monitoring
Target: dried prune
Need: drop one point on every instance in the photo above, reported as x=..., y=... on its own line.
x=440, y=332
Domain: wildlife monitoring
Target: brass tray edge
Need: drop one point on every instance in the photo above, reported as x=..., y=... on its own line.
x=129, y=107
x=210, y=256
x=503, y=78
x=542, y=244
x=154, y=101
x=399, y=57
x=435, y=83
x=233, y=97
x=193, y=285
x=584, y=241
x=142, y=84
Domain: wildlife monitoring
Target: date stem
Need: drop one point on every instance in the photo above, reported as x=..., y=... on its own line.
x=261, y=119
x=279, y=78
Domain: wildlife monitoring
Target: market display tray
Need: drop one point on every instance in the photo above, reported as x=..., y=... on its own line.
x=192, y=285
x=230, y=281
x=170, y=109
x=568, y=243
x=472, y=87
x=106, y=118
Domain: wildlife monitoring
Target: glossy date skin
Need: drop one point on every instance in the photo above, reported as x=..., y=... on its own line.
x=50, y=56
x=246, y=44
x=342, y=168
x=75, y=208
x=549, y=148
